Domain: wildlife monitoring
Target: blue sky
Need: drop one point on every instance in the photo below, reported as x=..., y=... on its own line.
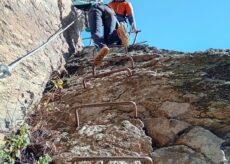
x=183, y=25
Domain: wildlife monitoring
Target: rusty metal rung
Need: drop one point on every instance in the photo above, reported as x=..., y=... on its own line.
x=102, y=105
x=106, y=74
x=114, y=158
x=122, y=58
x=127, y=57
x=116, y=46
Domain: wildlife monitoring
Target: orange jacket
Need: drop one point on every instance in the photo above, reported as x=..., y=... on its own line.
x=122, y=8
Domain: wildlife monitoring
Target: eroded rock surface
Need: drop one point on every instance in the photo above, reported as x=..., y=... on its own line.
x=179, y=154
x=204, y=142
x=24, y=26
x=178, y=107
x=165, y=131
x=182, y=99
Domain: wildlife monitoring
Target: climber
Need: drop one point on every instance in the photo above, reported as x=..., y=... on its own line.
x=104, y=27
x=124, y=11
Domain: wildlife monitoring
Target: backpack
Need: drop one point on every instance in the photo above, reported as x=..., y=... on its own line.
x=84, y=4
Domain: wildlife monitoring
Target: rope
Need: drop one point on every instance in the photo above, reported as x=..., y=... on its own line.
x=6, y=70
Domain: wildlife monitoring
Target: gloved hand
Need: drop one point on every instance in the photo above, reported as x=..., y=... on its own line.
x=87, y=29
x=134, y=28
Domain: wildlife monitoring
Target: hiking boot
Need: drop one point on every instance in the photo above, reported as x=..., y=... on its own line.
x=123, y=35
x=101, y=54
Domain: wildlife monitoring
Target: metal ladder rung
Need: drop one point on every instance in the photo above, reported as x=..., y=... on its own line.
x=103, y=105
x=114, y=158
x=122, y=58
x=106, y=74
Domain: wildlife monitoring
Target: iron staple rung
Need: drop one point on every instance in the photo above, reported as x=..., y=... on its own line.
x=106, y=74
x=102, y=105
x=114, y=158
x=116, y=46
x=121, y=58
x=106, y=104
x=109, y=73
x=125, y=57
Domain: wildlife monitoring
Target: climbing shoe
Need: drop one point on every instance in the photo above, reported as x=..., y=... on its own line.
x=123, y=35
x=101, y=54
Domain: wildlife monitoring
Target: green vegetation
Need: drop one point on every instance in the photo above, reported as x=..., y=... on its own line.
x=15, y=143
x=45, y=159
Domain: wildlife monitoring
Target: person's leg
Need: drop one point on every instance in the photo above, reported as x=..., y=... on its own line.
x=123, y=34
x=97, y=32
x=96, y=26
x=110, y=25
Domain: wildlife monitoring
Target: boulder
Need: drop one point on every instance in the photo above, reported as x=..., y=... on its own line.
x=204, y=142
x=164, y=131
x=177, y=155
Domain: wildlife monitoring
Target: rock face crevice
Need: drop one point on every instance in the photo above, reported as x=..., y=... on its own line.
x=24, y=26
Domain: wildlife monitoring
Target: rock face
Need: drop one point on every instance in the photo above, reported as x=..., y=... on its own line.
x=174, y=109
x=179, y=102
x=179, y=154
x=25, y=25
x=204, y=142
x=121, y=139
x=182, y=99
x=165, y=131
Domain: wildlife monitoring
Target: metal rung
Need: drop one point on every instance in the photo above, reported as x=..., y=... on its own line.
x=106, y=74
x=114, y=46
x=103, y=105
x=122, y=58
x=115, y=158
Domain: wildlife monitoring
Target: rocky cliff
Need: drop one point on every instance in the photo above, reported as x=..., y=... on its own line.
x=183, y=107
x=182, y=102
x=25, y=25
